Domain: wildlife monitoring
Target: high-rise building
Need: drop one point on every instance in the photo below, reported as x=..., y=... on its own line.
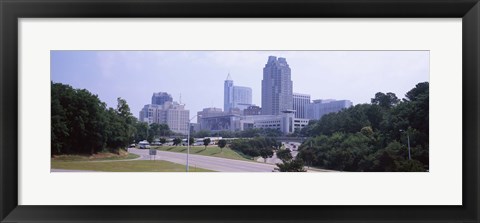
x=160, y=98
x=228, y=94
x=175, y=116
x=235, y=96
x=149, y=113
x=319, y=108
x=277, y=87
x=242, y=97
x=171, y=113
x=300, y=103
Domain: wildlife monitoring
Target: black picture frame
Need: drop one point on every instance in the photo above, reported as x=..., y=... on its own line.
x=12, y=10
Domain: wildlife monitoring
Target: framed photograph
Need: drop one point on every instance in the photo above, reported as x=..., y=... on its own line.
x=226, y=111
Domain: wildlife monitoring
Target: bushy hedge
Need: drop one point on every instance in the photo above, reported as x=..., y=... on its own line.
x=254, y=147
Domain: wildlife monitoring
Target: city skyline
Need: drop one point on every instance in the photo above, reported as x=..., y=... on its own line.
x=136, y=75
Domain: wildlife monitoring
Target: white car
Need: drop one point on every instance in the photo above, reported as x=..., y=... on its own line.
x=144, y=145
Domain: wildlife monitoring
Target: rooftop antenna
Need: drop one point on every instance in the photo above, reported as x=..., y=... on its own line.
x=180, y=100
x=229, y=78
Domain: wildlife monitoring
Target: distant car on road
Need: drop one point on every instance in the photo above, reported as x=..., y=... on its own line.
x=144, y=144
x=132, y=145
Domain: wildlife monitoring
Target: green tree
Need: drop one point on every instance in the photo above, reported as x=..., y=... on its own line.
x=191, y=140
x=267, y=132
x=78, y=121
x=141, y=131
x=202, y=134
x=418, y=92
x=153, y=131
x=115, y=131
x=308, y=156
x=127, y=122
x=266, y=153
x=164, y=130
x=367, y=137
x=206, y=142
x=385, y=100
x=410, y=166
x=59, y=126
x=285, y=155
x=222, y=143
x=250, y=133
x=150, y=137
x=227, y=134
x=163, y=140
x=367, y=131
x=177, y=141
x=295, y=165
x=82, y=124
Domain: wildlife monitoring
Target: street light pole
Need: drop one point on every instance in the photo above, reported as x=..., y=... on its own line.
x=188, y=139
x=408, y=142
x=188, y=142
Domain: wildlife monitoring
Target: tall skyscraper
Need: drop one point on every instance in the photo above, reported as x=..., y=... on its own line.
x=235, y=96
x=277, y=87
x=300, y=103
x=228, y=94
x=160, y=98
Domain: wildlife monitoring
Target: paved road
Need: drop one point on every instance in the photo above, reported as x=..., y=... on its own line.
x=206, y=162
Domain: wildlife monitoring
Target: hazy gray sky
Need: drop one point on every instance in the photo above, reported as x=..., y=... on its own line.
x=198, y=76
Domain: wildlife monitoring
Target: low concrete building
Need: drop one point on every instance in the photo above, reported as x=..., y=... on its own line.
x=285, y=122
x=319, y=108
x=252, y=110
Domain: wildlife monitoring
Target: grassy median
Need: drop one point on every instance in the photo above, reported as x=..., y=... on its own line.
x=123, y=155
x=125, y=166
x=214, y=151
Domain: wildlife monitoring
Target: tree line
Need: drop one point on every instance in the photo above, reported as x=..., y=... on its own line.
x=258, y=146
x=82, y=124
x=266, y=147
x=372, y=137
x=152, y=131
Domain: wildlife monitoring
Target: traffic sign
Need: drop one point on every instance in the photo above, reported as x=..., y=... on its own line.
x=153, y=152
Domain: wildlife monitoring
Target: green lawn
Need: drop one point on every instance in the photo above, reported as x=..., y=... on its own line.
x=99, y=157
x=209, y=151
x=125, y=166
